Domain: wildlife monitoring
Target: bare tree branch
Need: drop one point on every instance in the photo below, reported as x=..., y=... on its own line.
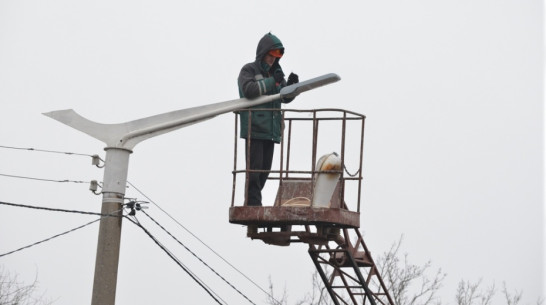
x=511, y=299
x=13, y=292
x=409, y=284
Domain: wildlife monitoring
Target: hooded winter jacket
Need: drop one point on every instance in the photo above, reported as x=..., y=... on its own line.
x=256, y=79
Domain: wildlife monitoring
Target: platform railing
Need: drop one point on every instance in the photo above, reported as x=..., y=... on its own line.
x=291, y=119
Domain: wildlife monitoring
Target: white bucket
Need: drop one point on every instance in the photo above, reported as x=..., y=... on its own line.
x=325, y=183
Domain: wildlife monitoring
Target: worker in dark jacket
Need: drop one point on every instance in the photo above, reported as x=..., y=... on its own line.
x=264, y=76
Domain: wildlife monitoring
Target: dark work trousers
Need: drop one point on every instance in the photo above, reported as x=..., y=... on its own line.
x=261, y=157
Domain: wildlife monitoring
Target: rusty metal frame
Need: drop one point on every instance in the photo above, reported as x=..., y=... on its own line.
x=354, y=278
x=284, y=171
x=277, y=216
x=354, y=275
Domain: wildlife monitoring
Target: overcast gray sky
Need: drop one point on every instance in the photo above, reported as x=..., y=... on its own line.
x=452, y=91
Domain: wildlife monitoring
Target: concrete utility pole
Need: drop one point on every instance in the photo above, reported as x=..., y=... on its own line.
x=120, y=139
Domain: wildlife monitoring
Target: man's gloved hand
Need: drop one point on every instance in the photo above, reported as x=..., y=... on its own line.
x=279, y=76
x=292, y=79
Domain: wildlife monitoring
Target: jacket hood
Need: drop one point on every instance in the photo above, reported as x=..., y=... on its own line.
x=267, y=43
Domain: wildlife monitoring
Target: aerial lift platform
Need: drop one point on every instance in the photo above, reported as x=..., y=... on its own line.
x=311, y=203
x=310, y=206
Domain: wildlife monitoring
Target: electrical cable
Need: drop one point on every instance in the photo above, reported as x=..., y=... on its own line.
x=48, y=151
x=58, y=235
x=195, y=255
x=347, y=171
x=188, y=269
x=178, y=262
x=41, y=179
x=95, y=158
x=58, y=210
x=202, y=242
x=193, y=276
x=48, y=239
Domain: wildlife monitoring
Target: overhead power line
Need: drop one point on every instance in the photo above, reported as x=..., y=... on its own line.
x=202, y=242
x=95, y=161
x=43, y=179
x=95, y=158
x=113, y=214
x=56, y=210
x=44, y=150
x=209, y=291
x=203, y=262
x=50, y=238
x=56, y=235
